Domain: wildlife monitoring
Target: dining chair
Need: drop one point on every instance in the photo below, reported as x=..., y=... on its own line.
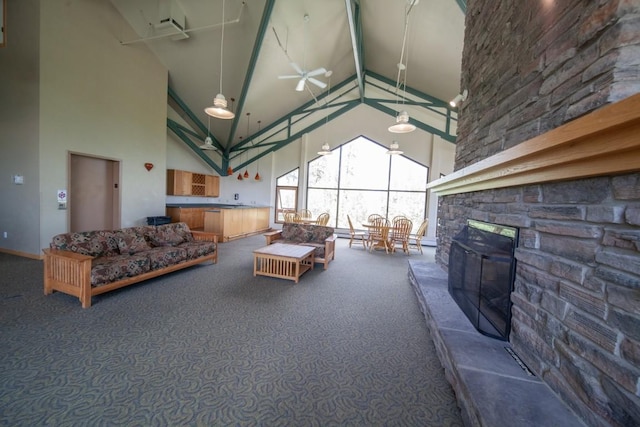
x=323, y=219
x=372, y=217
x=378, y=234
x=417, y=238
x=399, y=234
x=305, y=214
x=355, y=235
x=291, y=217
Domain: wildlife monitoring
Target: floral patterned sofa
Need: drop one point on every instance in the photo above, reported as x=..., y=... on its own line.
x=90, y=263
x=322, y=238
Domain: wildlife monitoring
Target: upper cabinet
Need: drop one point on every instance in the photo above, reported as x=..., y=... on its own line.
x=184, y=183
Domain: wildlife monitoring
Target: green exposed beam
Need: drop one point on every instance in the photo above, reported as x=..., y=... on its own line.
x=182, y=132
x=355, y=30
x=262, y=30
x=193, y=118
x=463, y=5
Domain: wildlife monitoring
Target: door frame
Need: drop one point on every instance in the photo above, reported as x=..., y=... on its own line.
x=115, y=186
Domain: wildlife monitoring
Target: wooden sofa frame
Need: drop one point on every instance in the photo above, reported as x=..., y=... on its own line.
x=329, y=246
x=70, y=272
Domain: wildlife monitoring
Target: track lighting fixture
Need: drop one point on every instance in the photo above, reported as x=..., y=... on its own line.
x=461, y=97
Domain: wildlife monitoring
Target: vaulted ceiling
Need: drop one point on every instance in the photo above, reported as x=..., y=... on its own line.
x=358, y=42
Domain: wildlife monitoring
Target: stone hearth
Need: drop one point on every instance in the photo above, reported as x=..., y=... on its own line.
x=492, y=389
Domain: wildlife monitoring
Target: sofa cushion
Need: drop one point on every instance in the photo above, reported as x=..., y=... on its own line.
x=165, y=256
x=197, y=249
x=301, y=233
x=131, y=244
x=167, y=237
x=115, y=267
x=91, y=243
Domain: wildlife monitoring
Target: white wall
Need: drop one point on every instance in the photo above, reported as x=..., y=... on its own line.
x=103, y=99
x=19, y=128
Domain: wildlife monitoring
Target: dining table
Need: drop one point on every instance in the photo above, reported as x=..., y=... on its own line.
x=383, y=242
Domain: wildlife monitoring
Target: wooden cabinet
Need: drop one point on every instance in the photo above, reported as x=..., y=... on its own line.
x=178, y=182
x=232, y=224
x=193, y=217
x=211, y=186
x=185, y=183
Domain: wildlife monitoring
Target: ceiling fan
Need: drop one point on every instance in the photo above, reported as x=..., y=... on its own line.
x=306, y=76
x=302, y=74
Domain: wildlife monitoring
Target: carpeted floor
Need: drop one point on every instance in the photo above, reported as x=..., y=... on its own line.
x=212, y=345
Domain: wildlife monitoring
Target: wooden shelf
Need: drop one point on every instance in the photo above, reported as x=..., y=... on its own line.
x=603, y=142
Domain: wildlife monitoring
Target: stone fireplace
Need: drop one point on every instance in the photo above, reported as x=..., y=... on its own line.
x=549, y=142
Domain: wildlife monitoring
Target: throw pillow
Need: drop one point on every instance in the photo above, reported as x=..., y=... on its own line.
x=130, y=244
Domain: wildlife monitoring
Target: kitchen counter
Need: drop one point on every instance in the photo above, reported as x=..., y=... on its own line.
x=212, y=206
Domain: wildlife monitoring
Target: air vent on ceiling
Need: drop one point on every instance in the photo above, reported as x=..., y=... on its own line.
x=171, y=20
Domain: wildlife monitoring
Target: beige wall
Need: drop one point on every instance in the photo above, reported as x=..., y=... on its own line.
x=67, y=85
x=19, y=128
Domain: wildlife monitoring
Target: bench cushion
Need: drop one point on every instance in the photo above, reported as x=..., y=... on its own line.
x=115, y=267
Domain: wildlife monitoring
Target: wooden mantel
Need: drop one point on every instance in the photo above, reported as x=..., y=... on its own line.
x=603, y=142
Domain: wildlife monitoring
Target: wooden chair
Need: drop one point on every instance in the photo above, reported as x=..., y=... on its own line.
x=291, y=217
x=372, y=217
x=323, y=219
x=417, y=238
x=361, y=235
x=379, y=234
x=399, y=234
x=305, y=214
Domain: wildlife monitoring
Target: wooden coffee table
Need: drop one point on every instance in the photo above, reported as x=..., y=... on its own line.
x=283, y=261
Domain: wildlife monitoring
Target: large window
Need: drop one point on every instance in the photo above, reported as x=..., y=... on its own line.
x=360, y=178
x=286, y=194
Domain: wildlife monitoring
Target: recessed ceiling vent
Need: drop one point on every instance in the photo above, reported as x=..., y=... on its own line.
x=171, y=20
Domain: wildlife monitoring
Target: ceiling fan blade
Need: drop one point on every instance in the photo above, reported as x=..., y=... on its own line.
x=297, y=68
x=317, y=82
x=291, y=76
x=317, y=72
x=300, y=85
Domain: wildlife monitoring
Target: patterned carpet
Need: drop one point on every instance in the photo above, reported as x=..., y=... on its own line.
x=214, y=346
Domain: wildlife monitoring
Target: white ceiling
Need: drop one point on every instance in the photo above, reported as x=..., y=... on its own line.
x=433, y=56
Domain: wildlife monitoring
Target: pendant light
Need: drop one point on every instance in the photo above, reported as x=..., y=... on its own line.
x=219, y=109
x=257, y=177
x=325, y=150
x=208, y=142
x=394, y=148
x=402, y=124
x=246, y=171
x=239, y=173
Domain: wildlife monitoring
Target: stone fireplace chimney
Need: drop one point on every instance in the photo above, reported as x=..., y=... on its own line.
x=533, y=71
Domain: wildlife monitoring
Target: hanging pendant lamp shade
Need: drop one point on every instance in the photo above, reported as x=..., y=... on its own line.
x=257, y=177
x=325, y=150
x=239, y=176
x=229, y=171
x=402, y=124
x=394, y=148
x=246, y=174
x=208, y=144
x=219, y=109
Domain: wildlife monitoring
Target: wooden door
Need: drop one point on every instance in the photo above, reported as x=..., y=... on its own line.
x=94, y=196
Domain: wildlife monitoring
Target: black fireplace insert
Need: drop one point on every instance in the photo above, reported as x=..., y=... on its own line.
x=481, y=274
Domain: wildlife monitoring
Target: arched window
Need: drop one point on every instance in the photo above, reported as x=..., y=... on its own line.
x=360, y=178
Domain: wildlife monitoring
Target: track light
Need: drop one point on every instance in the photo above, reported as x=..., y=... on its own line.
x=461, y=97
